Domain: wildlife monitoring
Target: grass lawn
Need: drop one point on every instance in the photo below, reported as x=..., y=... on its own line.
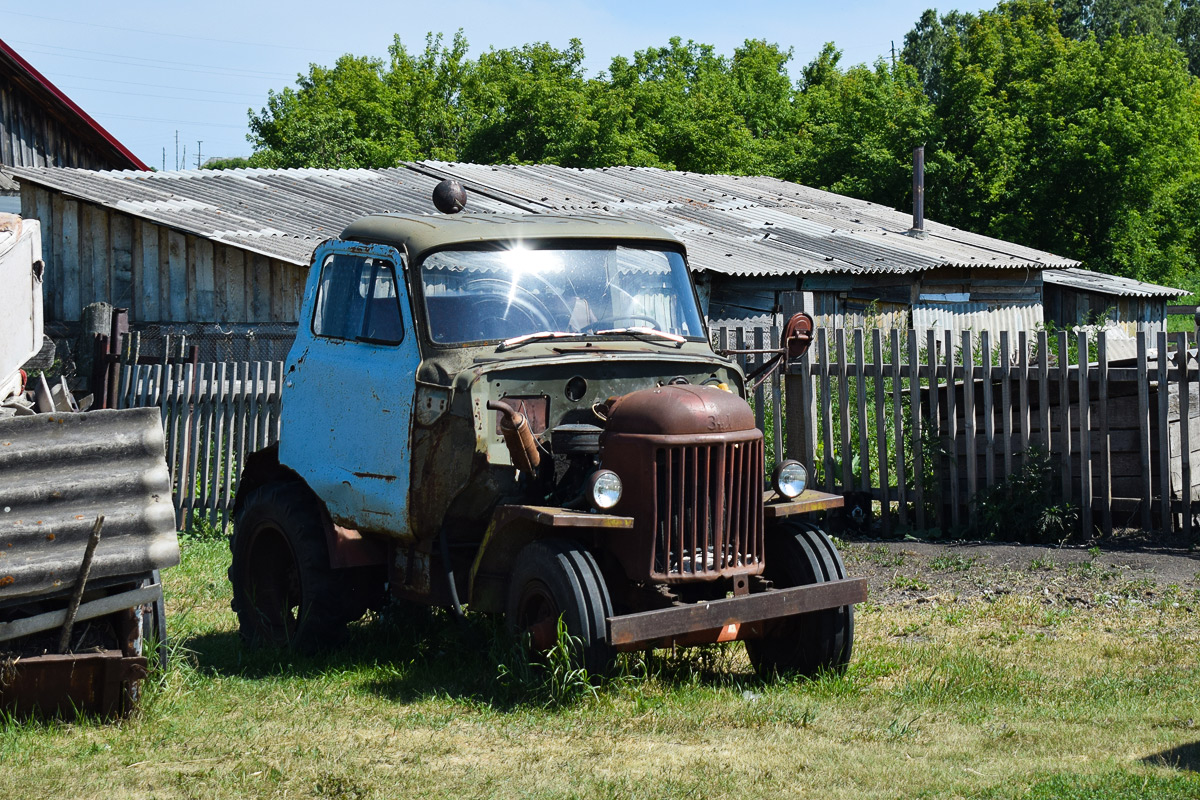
x=1005, y=696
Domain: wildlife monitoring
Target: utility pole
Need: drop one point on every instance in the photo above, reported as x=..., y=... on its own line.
x=176, y=148
x=893, y=54
x=198, y=143
x=164, y=159
x=184, y=162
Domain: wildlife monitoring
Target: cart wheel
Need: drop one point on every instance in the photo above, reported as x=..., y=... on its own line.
x=556, y=578
x=284, y=591
x=800, y=554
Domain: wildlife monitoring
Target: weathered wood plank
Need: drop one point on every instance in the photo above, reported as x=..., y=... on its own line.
x=935, y=422
x=206, y=305
x=1105, y=460
x=914, y=401
x=1064, y=410
x=844, y=410
x=1006, y=409
x=826, y=405
x=860, y=395
x=897, y=356
x=1085, y=445
x=968, y=359
x=1143, y=442
x=881, y=452
x=951, y=432
x=258, y=277
x=147, y=282
x=72, y=280
x=989, y=410
x=1185, y=450
x=101, y=256
x=177, y=273
x=1164, y=448
x=121, y=231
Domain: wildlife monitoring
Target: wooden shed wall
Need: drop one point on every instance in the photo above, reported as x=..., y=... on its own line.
x=31, y=137
x=161, y=275
x=886, y=301
x=1068, y=307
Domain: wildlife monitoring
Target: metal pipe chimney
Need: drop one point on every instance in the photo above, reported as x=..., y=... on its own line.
x=918, y=226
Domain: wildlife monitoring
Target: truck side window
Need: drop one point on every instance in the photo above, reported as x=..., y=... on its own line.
x=357, y=300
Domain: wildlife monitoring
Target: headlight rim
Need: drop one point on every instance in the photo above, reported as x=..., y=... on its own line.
x=593, y=486
x=778, y=481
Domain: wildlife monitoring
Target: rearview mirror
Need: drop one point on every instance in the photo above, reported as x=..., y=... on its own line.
x=797, y=335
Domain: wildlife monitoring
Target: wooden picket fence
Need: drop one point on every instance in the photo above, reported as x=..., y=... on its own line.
x=923, y=424
x=919, y=423
x=214, y=415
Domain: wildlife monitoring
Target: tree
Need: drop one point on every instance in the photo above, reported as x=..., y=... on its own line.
x=1076, y=147
x=859, y=128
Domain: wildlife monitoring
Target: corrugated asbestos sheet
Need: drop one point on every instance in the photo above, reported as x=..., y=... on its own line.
x=976, y=317
x=281, y=214
x=731, y=225
x=58, y=472
x=1099, y=282
x=756, y=225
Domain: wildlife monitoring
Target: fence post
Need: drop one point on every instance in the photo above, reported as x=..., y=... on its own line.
x=1164, y=439
x=1085, y=434
x=1185, y=424
x=1143, y=390
x=885, y=499
x=1105, y=444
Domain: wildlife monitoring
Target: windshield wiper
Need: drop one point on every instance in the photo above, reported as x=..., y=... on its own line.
x=517, y=341
x=643, y=331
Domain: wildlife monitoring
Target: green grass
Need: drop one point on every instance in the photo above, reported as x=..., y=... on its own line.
x=1002, y=698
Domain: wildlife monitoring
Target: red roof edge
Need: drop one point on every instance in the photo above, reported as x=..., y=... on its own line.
x=134, y=161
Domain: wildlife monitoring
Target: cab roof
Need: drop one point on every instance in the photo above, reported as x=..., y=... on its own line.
x=420, y=234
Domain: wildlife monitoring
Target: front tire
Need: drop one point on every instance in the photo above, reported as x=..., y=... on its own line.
x=284, y=591
x=801, y=554
x=556, y=578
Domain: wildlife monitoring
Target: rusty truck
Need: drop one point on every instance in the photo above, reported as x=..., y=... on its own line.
x=523, y=415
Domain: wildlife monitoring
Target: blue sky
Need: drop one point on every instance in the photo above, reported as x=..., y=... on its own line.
x=145, y=70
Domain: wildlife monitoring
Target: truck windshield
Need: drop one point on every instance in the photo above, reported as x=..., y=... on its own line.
x=497, y=295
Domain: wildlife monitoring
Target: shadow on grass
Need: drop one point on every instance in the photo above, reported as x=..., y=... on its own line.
x=409, y=657
x=1185, y=756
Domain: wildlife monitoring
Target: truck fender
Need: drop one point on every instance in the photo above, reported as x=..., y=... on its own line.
x=346, y=547
x=511, y=529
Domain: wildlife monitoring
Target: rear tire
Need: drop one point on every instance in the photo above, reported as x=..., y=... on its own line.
x=284, y=591
x=801, y=554
x=553, y=578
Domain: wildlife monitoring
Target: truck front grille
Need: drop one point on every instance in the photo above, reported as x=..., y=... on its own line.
x=708, y=517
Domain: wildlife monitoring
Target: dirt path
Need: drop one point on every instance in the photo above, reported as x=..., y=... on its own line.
x=916, y=571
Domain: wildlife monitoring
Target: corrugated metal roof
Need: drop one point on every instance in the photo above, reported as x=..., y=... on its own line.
x=731, y=225
x=58, y=472
x=1102, y=283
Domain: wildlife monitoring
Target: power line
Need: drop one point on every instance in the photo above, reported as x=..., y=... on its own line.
x=154, y=85
x=131, y=61
x=174, y=35
x=170, y=121
x=159, y=96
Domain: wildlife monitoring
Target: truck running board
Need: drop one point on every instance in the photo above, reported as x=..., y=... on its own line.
x=729, y=619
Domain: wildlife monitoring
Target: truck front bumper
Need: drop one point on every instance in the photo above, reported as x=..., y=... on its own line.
x=734, y=618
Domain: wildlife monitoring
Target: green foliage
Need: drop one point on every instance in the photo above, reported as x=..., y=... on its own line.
x=1027, y=506
x=226, y=163
x=1086, y=148
x=552, y=679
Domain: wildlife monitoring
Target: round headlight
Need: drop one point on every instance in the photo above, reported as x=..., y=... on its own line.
x=790, y=479
x=605, y=488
